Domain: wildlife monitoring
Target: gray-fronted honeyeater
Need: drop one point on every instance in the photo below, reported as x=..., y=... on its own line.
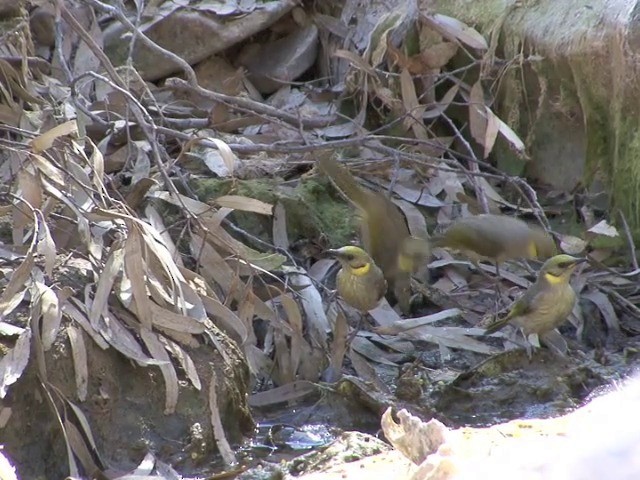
x=496, y=238
x=547, y=303
x=384, y=232
x=360, y=282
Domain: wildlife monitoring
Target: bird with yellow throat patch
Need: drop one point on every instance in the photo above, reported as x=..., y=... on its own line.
x=384, y=232
x=547, y=303
x=496, y=238
x=360, y=282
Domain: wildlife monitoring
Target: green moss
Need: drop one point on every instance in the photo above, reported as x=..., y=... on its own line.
x=313, y=209
x=317, y=209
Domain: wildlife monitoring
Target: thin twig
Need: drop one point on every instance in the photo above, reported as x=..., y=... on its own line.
x=118, y=13
x=144, y=119
x=473, y=166
x=250, y=105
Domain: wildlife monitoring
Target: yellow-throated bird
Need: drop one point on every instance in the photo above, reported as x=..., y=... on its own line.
x=547, y=303
x=360, y=281
x=496, y=238
x=384, y=232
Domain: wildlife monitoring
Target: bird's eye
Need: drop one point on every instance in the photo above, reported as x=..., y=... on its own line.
x=349, y=257
x=564, y=264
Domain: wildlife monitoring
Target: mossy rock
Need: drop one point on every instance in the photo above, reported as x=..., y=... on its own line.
x=313, y=208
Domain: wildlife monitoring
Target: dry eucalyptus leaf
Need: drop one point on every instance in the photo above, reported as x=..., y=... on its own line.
x=377, y=48
x=438, y=55
x=246, y=204
x=493, y=127
x=123, y=340
x=84, y=423
x=366, y=373
x=604, y=228
x=134, y=268
x=184, y=360
x=71, y=311
x=50, y=311
x=45, y=141
x=455, y=29
x=167, y=319
x=369, y=350
x=355, y=60
x=451, y=337
x=415, y=220
x=46, y=246
x=294, y=317
x=477, y=113
x=79, y=355
x=7, y=471
x=111, y=270
x=14, y=362
x=156, y=349
x=295, y=391
x=383, y=314
x=15, y=290
x=412, y=106
x=606, y=308
x=416, y=194
x=572, y=245
x=284, y=370
x=442, y=105
x=510, y=136
x=317, y=323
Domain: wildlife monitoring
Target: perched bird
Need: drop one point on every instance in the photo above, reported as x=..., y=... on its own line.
x=360, y=281
x=547, y=303
x=384, y=232
x=496, y=238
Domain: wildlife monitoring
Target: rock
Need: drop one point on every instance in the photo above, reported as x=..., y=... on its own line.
x=573, y=96
x=277, y=63
x=598, y=440
x=191, y=34
x=124, y=410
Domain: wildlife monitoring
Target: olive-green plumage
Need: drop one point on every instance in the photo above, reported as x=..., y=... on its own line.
x=547, y=303
x=360, y=281
x=384, y=232
x=497, y=238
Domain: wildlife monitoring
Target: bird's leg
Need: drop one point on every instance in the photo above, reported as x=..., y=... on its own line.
x=497, y=284
x=494, y=280
x=531, y=341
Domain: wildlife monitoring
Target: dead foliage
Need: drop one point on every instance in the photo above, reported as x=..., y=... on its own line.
x=96, y=163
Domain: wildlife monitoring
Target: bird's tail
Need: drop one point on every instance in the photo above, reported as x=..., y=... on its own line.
x=344, y=181
x=497, y=325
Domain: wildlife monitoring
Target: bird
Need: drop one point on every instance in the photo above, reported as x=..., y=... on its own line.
x=360, y=282
x=547, y=303
x=496, y=238
x=384, y=232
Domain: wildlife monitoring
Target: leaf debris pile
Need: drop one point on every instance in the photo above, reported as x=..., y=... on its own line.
x=101, y=164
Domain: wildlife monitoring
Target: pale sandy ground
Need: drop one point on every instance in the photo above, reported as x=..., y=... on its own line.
x=598, y=441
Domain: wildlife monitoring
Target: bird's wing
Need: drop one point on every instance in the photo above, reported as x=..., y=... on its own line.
x=521, y=306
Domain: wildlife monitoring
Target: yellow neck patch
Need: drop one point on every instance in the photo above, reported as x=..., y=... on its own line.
x=405, y=263
x=363, y=270
x=553, y=280
x=532, y=250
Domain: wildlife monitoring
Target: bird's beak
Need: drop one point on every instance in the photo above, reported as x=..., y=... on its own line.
x=580, y=260
x=333, y=253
